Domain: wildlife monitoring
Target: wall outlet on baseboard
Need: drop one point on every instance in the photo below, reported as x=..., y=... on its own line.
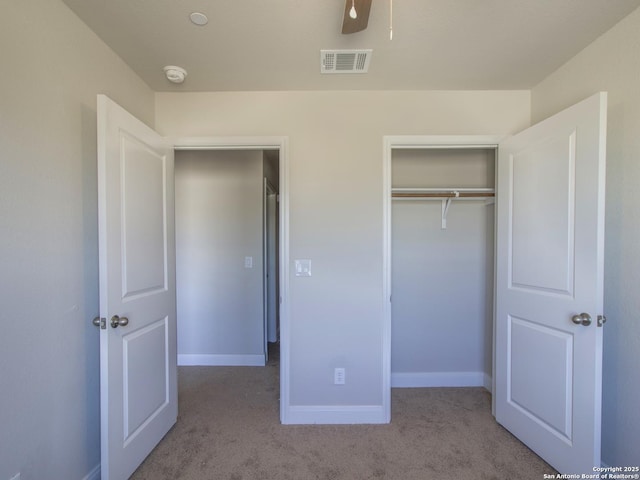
x=339, y=376
x=16, y=476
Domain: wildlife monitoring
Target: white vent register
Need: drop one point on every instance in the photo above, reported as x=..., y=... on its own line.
x=344, y=61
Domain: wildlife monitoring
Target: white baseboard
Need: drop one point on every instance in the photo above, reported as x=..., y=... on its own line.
x=221, y=360
x=440, y=379
x=93, y=474
x=334, y=415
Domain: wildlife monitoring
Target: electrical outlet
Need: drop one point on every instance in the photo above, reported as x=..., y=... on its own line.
x=339, y=376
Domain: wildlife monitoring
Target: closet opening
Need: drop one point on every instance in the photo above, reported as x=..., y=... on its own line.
x=227, y=256
x=439, y=258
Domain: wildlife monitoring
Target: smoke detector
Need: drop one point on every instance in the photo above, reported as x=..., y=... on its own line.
x=345, y=61
x=175, y=74
x=198, y=18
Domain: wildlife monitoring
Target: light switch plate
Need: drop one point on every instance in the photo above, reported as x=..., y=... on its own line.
x=303, y=268
x=248, y=262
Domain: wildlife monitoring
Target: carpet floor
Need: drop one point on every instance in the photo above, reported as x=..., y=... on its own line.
x=228, y=428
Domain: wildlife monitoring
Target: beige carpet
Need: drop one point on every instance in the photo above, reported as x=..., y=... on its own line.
x=228, y=428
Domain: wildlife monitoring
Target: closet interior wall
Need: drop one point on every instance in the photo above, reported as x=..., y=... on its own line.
x=442, y=276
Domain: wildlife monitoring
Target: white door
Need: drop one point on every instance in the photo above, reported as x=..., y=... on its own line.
x=272, y=264
x=138, y=391
x=550, y=239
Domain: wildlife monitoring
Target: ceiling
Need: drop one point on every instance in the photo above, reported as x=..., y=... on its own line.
x=275, y=44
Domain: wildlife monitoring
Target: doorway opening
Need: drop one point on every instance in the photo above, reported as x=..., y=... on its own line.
x=225, y=253
x=439, y=262
x=240, y=263
x=442, y=267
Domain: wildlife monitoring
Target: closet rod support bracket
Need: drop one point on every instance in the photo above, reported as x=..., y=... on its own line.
x=446, y=203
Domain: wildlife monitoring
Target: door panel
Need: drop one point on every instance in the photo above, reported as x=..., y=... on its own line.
x=539, y=354
x=549, y=259
x=144, y=226
x=146, y=391
x=543, y=218
x=138, y=374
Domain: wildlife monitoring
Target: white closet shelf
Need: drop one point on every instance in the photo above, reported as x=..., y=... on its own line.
x=445, y=195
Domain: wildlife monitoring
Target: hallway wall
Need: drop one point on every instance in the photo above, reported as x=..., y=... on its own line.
x=219, y=225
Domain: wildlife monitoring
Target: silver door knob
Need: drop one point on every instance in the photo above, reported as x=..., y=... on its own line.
x=582, y=319
x=117, y=321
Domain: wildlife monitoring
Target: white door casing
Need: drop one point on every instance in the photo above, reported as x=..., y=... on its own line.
x=138, y=381
x=399, y=142
x=549, y=267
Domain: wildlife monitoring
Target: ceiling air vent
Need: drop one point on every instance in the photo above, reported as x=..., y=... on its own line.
x=344, y=61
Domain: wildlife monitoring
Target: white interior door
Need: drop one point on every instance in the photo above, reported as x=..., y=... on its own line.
x=138, y=391
x=272, y=264
x=550, y=239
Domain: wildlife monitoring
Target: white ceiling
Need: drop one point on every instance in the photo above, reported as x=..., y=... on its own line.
x=275, y=44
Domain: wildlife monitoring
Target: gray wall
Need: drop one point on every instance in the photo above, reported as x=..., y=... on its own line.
x=335, y=210
x=442, y=302
x=49, y=379
x=611, y=64
x=218, y=224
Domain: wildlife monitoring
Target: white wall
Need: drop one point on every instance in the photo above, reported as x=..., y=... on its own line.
x=442, y=303
x=336, y=206
x=53, y=67
x=612, y=64
x=218, y=224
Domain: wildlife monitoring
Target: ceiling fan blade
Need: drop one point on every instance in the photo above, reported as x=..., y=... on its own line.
x=353, y=25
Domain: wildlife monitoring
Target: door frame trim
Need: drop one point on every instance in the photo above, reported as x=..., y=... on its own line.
x=404, y=142
x=280, y=143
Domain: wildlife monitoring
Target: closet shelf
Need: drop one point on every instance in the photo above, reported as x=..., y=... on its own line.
x=445, y=195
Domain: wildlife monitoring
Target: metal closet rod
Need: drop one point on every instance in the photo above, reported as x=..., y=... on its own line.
x=443, y=195
x=442, y=192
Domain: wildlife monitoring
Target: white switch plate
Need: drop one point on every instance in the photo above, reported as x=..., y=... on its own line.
x=248, y=262
x=303, y=268
x=339, y=376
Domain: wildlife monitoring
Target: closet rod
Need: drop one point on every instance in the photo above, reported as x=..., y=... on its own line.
x=441, y=194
